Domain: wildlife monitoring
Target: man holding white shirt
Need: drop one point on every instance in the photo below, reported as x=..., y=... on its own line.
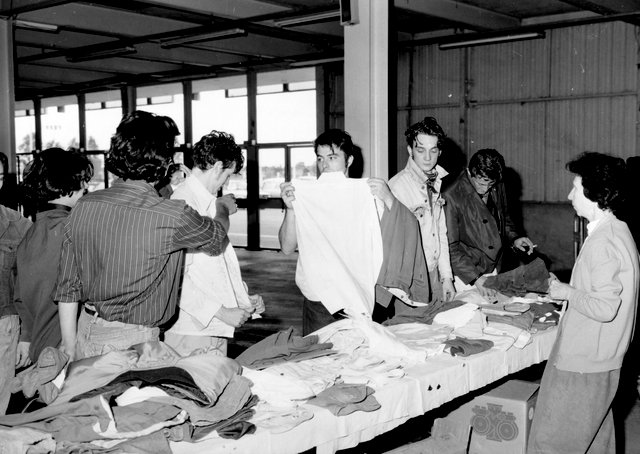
x=335, y=153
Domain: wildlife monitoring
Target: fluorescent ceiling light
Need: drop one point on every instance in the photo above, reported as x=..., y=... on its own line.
x=36, y=26
x=297, y=64
x=492, y=40
x=222, y=34
x=99, y=54
x=308, y=19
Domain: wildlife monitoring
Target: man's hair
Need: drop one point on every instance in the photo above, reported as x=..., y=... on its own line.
x=142, y=147
x=55, y=173
x=603, y=178
x=428, y=126
x=335, y=138
x=217, y=146
x=487, y=163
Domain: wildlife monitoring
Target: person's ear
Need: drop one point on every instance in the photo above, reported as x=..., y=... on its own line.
x=218, y=167
x=349, y=161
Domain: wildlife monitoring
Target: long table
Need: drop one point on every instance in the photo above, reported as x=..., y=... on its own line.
x=425, y=387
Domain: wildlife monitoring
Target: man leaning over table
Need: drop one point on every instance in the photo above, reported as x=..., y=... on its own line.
x=122, y=254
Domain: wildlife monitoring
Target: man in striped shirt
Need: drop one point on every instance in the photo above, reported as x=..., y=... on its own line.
x=123, y=250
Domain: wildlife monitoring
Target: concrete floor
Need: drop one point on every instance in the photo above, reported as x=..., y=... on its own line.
x=272, y=275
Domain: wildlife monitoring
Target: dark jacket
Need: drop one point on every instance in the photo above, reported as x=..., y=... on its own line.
x=476, y=237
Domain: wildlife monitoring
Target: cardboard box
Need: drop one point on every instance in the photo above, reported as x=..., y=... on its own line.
x=501, y=419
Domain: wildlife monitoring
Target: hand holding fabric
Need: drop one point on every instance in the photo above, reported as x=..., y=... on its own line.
x=380, y=189
x=484, y=291
x=288, y=194
x=558, y=290
x=235, y=317
x=22, y=355
x=448, y=289
x=524, y=244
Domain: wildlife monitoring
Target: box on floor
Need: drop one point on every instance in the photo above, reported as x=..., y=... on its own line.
x=500, y=418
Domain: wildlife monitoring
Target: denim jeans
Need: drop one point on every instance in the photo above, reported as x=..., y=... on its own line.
x=9, y=332
x=97, y=336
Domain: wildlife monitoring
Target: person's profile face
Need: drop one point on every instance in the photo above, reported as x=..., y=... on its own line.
x=583, y=206
x=332, y=159
x=425, y=152
x=481, y=184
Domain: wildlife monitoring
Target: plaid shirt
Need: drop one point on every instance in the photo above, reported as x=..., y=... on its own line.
x=123, y=252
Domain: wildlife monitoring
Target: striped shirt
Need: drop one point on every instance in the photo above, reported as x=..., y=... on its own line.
x=123, y=252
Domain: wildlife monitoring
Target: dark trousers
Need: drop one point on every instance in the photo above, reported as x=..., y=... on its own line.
x=316, y=316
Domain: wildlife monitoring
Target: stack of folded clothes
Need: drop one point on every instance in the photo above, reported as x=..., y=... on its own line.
x=136, y=400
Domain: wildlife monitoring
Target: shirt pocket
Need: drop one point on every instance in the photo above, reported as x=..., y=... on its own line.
x=8, y=251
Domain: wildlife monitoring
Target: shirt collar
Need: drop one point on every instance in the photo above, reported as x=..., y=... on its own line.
x=418, y=175
x=135, y=184
x=593, y=225
x=203, y=197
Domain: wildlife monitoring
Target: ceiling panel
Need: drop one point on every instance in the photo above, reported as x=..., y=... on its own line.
x=65, y=47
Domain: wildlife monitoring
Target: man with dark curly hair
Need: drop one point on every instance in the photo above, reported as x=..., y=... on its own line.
x=573, y=412
x=54, y=182
x=214, y=299
x=418, y=187
x=123, y=250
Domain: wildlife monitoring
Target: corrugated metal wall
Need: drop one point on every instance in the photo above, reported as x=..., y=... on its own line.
x=538, y=102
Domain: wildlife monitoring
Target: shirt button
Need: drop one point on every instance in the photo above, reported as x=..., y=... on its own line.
x=484, y=221
x=490, y=247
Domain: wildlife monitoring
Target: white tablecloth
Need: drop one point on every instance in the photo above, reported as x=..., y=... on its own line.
x=426, y=386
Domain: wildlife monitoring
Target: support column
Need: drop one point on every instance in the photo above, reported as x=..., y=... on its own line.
x=366, y=79
x=253, y=172
x=7, y=97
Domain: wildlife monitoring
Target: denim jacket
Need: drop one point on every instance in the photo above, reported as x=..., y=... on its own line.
x=13, y=227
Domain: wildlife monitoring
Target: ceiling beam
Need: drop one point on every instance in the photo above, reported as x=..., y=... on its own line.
x=15, y=7
x=537, y=27
x=596, y=7
x=470, y=16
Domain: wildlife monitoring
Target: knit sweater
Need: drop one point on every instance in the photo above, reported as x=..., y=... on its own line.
x=598, y=325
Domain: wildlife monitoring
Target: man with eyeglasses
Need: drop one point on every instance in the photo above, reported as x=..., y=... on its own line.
x=478, y=222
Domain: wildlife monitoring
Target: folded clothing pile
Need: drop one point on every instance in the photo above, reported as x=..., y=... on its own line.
x=281, y=347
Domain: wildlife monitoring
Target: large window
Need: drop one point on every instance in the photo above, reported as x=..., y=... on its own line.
x=220, y=104
x=25, y=124
x=103, y=112
x=164, y=100
x=60, y=122
x=286, y=106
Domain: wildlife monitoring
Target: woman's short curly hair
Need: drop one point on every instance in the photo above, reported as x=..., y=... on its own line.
x=55, y=173
x=217, y=146
x=142, y=147
x=603, y=178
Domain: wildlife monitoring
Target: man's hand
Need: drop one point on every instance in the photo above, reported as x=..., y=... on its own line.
x=22, y=355
x=380, y=189
x=524, y=244
x=486, y=292
x=233, y=316
x=257, y=304
x=448, y=289
x=227, y=202
x=68, y=349
x=287, y=193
